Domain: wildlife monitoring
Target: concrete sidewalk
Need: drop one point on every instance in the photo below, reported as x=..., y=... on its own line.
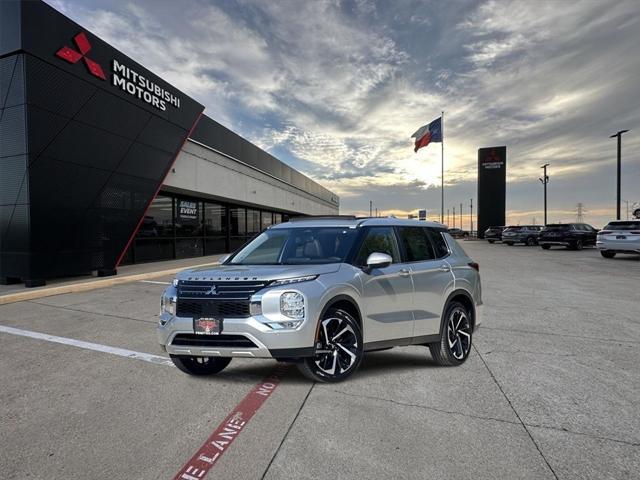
x=128, y=273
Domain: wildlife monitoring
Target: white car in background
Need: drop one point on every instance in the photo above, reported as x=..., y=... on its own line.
x=620, y=236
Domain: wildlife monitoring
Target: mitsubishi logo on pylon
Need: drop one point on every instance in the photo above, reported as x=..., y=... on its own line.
x=73, y=56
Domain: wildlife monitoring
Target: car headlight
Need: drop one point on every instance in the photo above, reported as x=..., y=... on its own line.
x=168, y=305
x=292, y=305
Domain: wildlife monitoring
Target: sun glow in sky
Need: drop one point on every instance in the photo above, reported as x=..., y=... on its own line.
x=335, y=89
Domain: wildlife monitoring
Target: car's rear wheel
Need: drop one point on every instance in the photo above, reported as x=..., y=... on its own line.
x=545, y=246
x=200, y=365
x=491, y=241
x=531, y=242
x=455, y=342
x=577, y=245
x=607, y=254
x=509, y=243
x=338, y=349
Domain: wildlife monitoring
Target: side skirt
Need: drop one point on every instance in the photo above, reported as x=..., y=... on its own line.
x=401, y=342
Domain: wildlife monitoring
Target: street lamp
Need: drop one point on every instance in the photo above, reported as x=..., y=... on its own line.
x=545, y=180
x=619, y=136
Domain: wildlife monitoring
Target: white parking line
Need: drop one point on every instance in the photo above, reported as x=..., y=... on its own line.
x=155, y=283
x=121, y=352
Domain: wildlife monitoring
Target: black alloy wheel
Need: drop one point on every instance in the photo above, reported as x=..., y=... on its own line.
x=577, y=245
x=455, y=342
x=531, y=242
x=338, y=350
x=607, y=254
x=200, y=365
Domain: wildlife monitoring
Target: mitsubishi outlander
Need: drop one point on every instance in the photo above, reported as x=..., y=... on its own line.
x=322, y=291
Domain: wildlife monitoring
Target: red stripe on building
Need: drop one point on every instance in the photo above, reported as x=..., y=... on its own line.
x=223, y=436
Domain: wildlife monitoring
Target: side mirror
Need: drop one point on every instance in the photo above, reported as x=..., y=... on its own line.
x=224, y=258
x=378, y=260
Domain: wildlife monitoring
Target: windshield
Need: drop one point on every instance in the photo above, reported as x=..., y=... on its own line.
x=297, y=246
x=630, y=225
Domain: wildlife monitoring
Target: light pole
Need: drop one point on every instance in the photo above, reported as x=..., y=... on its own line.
x=370, y=208
x=545, y=180
x=619, y=136
x=454, y=217
x=471, y=215
x=627, y=202
x=448, y=216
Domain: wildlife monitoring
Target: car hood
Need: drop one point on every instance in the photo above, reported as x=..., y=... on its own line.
x=255, y=272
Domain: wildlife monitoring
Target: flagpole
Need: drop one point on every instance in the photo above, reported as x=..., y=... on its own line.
x=442, y=171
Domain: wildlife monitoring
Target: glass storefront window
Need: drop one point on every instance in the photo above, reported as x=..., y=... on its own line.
x=277, y=218
x=267, y=220
x=253, y=222
x=158, y=221
x=188, y=219
x=238, y=222
x=215, y=220
x=189, y=247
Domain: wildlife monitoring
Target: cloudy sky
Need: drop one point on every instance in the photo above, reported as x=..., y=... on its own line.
x=336, y=88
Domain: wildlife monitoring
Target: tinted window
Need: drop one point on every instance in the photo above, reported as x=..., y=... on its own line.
x=381, y=240
x=558, y=228
x=630, y=225
x=415, y=243
x=438, y=242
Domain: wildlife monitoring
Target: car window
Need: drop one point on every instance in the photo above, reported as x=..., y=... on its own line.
x=381, y=240
x=439, y=245
x=623, y=225
x=415, y=243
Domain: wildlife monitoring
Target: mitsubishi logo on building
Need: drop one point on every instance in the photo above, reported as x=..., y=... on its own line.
x=74, y=56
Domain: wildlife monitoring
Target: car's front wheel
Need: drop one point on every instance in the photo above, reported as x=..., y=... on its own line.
x=545, y=246
x=531, y=242
x=455, y=342
x=200, y=365
x=338, y=349
x=607, y=254
x=577, y=245
x=491, y=241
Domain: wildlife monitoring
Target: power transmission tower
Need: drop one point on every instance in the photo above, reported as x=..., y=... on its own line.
x=580, y=211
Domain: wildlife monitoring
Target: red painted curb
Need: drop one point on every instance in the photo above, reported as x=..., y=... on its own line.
x=224, y=435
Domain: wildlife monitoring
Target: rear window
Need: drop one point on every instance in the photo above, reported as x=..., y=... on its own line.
x=513, y=229
x=415, y=243
x=630, y=225
x=438, y=242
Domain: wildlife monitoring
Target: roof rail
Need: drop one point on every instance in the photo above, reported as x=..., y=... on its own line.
x=322, y=217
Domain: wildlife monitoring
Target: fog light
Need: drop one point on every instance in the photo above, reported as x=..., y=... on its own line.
x=292, y=305
x=255, y=308
x=284, y=325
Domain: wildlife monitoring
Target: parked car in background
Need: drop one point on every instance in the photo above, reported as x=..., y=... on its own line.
x=620, y=236
x=527, y=234
x=493, y=234
x=458, y=232
x=571, y=235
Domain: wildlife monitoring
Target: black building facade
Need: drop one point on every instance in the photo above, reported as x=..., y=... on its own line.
x=87, y=138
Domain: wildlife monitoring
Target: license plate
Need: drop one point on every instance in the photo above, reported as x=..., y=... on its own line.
x=207, y=326
x=621, y=237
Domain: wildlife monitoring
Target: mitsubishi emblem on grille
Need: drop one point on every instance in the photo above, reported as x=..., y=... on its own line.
x=212, y=291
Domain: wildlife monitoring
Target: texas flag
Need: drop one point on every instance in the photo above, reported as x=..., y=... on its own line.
x=427, y=134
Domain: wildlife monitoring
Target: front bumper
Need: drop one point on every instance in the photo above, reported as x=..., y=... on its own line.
x=268, y=343
x=543, y=241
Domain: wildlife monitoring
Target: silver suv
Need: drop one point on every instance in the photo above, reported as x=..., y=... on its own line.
x=320, y=292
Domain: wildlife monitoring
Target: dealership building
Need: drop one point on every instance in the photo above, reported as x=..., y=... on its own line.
x=103, y=163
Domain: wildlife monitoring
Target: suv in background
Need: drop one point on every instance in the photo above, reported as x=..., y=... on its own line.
x=571, y=235
x=456, y=232
x=527, y=234
x=320, y=292
x=620, y=236
x=493, y=234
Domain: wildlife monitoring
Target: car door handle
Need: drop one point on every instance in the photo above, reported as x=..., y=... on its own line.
x=444, y=268
x=405, y=272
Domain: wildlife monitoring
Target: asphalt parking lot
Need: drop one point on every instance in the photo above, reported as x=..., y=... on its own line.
x=551, y=390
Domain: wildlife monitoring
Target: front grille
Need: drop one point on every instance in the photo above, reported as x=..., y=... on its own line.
x=229, y=341
x=212, y=308
x=216, y=299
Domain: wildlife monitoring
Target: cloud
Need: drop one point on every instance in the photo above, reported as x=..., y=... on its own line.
x=335, y=88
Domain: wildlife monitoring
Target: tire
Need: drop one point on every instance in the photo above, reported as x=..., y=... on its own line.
x=509, y=243
x=545, y=246
x=200, y=366
x=456, y=337
x=491, y=241
x=530, y=242
x=607, y=254
x=338, y=350
x=577, y=245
